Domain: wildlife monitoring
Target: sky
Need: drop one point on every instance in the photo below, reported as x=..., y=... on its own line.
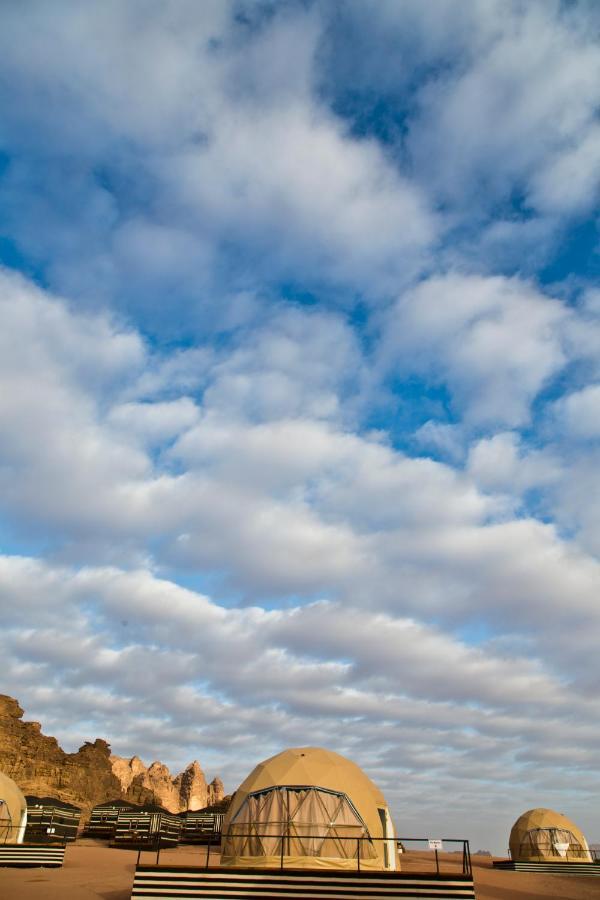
x=300, y=391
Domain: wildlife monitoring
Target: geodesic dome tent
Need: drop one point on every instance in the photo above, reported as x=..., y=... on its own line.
x=542, y=835
x=13, y=812
x=308, y=808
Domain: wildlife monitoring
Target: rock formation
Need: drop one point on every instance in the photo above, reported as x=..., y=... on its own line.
x=188, y=790
x=92, y=775
x=39, y=766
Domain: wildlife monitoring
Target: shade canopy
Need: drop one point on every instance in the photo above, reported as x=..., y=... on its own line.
x=543, y=835
x=13, y=812
x=309, y=808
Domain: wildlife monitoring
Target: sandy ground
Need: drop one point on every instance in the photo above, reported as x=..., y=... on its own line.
x=93, y=871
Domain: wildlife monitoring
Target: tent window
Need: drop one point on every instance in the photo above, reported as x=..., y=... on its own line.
x=544, y=841
x=298, y=821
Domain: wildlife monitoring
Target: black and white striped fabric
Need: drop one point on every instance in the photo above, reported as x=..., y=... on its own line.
x=51, y=819
x=147, y=827
x=103, y=818
x=169, y=882
x=50, y=856
x=549, y=868
x=199, y=827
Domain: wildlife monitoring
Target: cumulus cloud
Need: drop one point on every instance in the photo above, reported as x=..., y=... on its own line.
x=520, y=115
x=579, y=412
x=495, y=342
x=243, y=165
x=501, y=463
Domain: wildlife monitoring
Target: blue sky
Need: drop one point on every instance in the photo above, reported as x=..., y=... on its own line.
x=300, y=390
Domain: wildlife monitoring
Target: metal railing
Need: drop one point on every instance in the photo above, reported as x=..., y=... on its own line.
x=398, y=842
x=7, y=831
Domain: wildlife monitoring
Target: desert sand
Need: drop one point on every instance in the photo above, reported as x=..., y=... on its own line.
x=93, y=871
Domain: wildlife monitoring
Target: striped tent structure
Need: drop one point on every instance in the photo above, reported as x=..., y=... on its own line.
x=201, y=826
x=50, y=819
x=147, y=826
x=103, y=818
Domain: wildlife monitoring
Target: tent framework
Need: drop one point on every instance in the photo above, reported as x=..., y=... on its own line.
x=298, y=820
x=6, y=822
x=552, y=842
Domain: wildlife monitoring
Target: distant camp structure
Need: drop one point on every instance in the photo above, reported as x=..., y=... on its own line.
x=309, y=808
x=51, y=819
x=13, y=812
x=542, y=835
x=103, y=818
x=201, y=827
x=147, y=826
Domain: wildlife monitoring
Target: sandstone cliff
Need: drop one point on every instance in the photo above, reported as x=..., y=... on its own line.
x=90, y=776
x=39, y=766
x=188, y=790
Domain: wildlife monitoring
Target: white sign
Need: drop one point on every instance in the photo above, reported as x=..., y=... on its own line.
x=561, y=848
x=435, y=844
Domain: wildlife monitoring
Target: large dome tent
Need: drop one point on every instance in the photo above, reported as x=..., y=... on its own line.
x=308, y=808
x=13, y=812
x=543, y=835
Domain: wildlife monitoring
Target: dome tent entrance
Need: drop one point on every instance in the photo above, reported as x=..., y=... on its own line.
x=299, y=821
x=308, y=808
x=542, y=835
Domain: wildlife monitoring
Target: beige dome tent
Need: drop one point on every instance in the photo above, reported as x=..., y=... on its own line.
x=542, y=835
x=13, y=812
x=306, y=808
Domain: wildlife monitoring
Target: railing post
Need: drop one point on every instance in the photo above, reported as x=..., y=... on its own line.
x=437, y=862
x=358, y=854
x=208, y=850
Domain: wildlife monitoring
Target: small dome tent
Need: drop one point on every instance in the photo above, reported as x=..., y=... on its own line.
x=542, y=835
x=308, y=808
x=13, y=812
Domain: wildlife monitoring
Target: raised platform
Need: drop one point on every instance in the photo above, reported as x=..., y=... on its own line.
x=50, y=856
x=549, y=868
x=217, y=883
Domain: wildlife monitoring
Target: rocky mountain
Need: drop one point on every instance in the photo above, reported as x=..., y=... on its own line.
x=92, y=775
x=188, y=790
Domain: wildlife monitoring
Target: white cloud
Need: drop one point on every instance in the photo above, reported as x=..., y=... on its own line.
x=519, y=115
x=579, y=413
x=501, y=463
x=495, y=342
x=237, y=159
x=155, y=422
